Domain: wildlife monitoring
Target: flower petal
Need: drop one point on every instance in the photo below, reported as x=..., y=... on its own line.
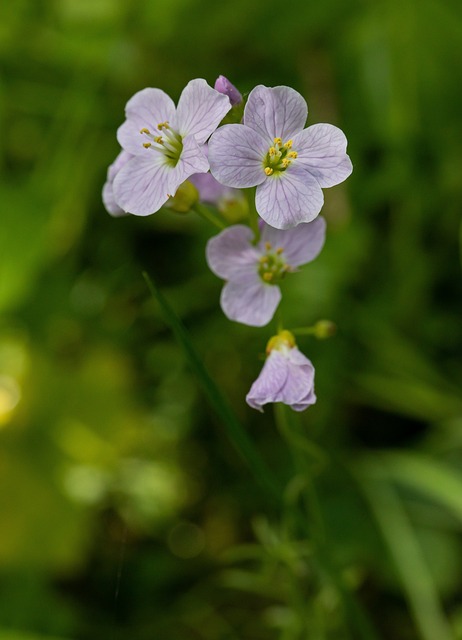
x=300, y=379
x=236, y=155
x=192, y=160
x=287, y=376
x=300, y=245
x=200, y=110
x=321, y=149
x=277, y=112
x=269, y=383
x=284, y=200
x=143, y=185
x=231, y=253
x=108, y=193
x=146, y=109
x=249, y=300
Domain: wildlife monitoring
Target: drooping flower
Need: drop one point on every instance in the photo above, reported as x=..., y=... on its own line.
x=272, y=151
x=253, y=272
x=165, y=142
x=287, y=376
x=108, y=193
x=223, y=85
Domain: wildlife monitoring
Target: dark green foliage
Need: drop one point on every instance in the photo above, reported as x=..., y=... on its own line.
x=125, y=510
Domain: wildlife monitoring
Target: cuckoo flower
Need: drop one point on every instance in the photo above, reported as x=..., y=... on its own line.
x=287, y=376
x=253, y=272
x=272, y=151
x=165, y=142
x=108, y=193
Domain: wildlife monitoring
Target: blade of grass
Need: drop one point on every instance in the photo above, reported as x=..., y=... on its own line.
x=405, y=551
x=233, y=427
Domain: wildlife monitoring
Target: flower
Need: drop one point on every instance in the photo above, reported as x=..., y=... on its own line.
x=108, y=193
x=287, y=376
x=272, y=151
x=223, y=85
x=165, y=142
x=253, y=272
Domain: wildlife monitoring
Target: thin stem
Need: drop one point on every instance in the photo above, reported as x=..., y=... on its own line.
x=210, y=216
x=253, y=215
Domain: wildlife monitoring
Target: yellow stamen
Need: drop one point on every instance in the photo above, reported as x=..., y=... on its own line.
x=159, y=140
x=292, y=154
x=146, y=145
x=267, y=276
x=272, y=151
x=277, y=141
x=144, y=130
x=268, y=171
x=285, y=162
x=288, y=144
x=267, y=246
x=162, y=125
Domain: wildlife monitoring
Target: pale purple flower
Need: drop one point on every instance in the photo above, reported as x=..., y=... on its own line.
x=108, y=193
x=272, y=151
x=166, y=143
x=223, y=85
x=287, y=376
x=253, y=271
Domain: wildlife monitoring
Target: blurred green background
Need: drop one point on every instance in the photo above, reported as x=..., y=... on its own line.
x=125, y=511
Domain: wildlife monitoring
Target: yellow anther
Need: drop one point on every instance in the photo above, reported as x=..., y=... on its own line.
x=288, y=144
x=144, y=130
x=268, y=171
x=279, y=250
x=159, y=140
x=277, y=141
x=272, y=151
x=162, y=125
x=146, y=145
x=268, y=246
x=267, y=276
x=292, y=154
x=285, y=162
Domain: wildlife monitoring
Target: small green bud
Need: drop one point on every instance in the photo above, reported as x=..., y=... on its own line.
x=184, y=199
x=324, y=329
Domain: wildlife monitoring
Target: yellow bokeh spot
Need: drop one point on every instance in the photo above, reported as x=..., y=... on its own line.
x=10, y=395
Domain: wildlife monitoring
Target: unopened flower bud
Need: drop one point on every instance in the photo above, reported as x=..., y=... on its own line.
x=324, y=329
x=184, y=199
x=223, y=85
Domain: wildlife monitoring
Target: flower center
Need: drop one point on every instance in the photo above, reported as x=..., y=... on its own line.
x=279, y=157
x=272, y=267
x=283, y=341
x=168, y=142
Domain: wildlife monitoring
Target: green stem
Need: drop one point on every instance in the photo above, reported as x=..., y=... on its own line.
x=253, y=215
x=206, y=214
x=303, y=331
x=234, y=430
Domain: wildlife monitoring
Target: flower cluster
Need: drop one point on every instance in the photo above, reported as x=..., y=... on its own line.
x=207, y=150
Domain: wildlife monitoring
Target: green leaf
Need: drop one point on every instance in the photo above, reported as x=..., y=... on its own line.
x=404, y=549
